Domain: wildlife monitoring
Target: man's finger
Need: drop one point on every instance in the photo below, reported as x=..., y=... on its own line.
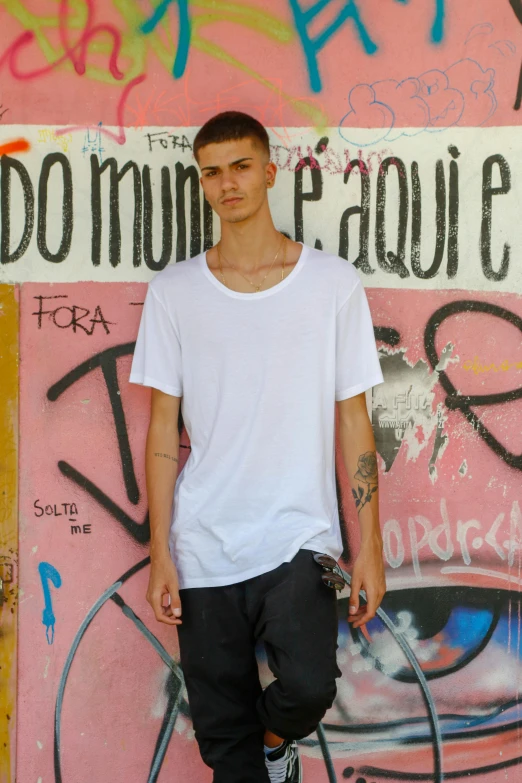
x=360, y=611
x=369, y=614
x=175, y=603
x=160, y=611
x=168, y=616
x=354, y=596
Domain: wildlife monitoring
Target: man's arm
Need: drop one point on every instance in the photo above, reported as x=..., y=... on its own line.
x=161, y=470
x=359, y=456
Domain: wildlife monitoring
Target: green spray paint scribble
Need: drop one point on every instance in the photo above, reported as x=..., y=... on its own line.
x=136, y=47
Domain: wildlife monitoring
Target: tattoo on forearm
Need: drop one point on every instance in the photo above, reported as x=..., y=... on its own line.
x=168, y=456
x=368, y=479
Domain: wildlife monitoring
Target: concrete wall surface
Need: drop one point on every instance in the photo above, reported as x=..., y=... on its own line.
x=395, y=128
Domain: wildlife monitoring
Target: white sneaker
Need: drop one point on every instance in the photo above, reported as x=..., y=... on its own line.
x=284, y=764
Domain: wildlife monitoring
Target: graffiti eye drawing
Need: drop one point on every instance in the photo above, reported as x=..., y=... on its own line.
x=446, y=627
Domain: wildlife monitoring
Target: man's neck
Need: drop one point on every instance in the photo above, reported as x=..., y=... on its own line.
x=246, y=246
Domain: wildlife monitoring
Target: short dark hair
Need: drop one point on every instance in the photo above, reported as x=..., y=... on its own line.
x=231, y=126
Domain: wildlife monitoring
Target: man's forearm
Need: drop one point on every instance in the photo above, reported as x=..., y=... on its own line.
x=359, y=457
x=161, y=470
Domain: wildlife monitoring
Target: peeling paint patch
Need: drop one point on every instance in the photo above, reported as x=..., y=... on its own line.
x=402, y=407
x=40, y=745
x=463, y=468
x=441, y=442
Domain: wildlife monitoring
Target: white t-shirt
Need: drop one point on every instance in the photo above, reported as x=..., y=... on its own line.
x=259, y=374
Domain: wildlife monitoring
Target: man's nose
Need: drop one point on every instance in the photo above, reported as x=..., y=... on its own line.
x=228, y=182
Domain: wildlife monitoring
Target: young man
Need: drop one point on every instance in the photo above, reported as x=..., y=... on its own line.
x=256, y=339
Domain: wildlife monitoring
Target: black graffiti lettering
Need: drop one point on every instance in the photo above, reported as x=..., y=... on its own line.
x=73, y=320
x=87, y=527
x=453, y=214
x=390, y=262
x=106, y=361
x=42, y=312
x=74, y=315
x=67, y=208
x=99, y=319
x=315, y=194
x=465, y=402
x=361, y=262
x=208, y=239
x=162, y=137
x=158, y=137
x=487, y=200
x=166, y=210
x=516, y=5
x=116, y=176
x=416, y=219
x=75, y=529
x=76, y=320
x=194, y=215
x=51, y=509
x=6, y=164
x=182, y=175
x=185, y=143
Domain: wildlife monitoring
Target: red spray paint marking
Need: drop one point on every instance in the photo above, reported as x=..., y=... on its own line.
x=18, y=145
x=77, y=55
x=79, y=62
x=120, y=136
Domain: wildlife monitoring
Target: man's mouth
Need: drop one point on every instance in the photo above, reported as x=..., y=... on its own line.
x=233, y=200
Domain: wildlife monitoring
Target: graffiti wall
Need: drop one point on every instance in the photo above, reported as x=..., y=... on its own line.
x=395, y=129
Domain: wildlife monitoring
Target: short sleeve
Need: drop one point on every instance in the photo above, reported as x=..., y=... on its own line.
x=357, y=359
x=157, y=355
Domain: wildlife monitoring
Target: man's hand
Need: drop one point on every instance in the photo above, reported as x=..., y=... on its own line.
x=367, y=575
x=163, y=581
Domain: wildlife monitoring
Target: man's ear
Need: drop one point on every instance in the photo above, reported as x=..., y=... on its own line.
x=271, y=175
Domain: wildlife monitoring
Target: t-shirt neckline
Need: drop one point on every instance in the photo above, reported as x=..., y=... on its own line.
x=259, y=294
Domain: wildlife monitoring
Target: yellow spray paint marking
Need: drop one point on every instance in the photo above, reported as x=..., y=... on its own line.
x=8, y=525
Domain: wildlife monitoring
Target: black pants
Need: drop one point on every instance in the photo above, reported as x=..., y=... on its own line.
x=295, y=615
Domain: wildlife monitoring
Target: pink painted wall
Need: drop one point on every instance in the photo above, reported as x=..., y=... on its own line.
x=99, y=696
x=115, y=697
x=238, y=57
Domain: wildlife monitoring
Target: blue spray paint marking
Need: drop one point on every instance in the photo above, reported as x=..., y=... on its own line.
x=437, y=31
x=48, y=573
x=180, y=62
x=311, y=46
x=303, y=18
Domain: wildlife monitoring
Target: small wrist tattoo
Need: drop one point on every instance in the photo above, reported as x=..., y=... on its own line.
x=168, y=456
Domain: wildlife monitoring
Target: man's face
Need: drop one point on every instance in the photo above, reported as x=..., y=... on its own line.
x=235, y=176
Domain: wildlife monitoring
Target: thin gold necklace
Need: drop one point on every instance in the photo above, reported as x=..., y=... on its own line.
x=254, y=285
